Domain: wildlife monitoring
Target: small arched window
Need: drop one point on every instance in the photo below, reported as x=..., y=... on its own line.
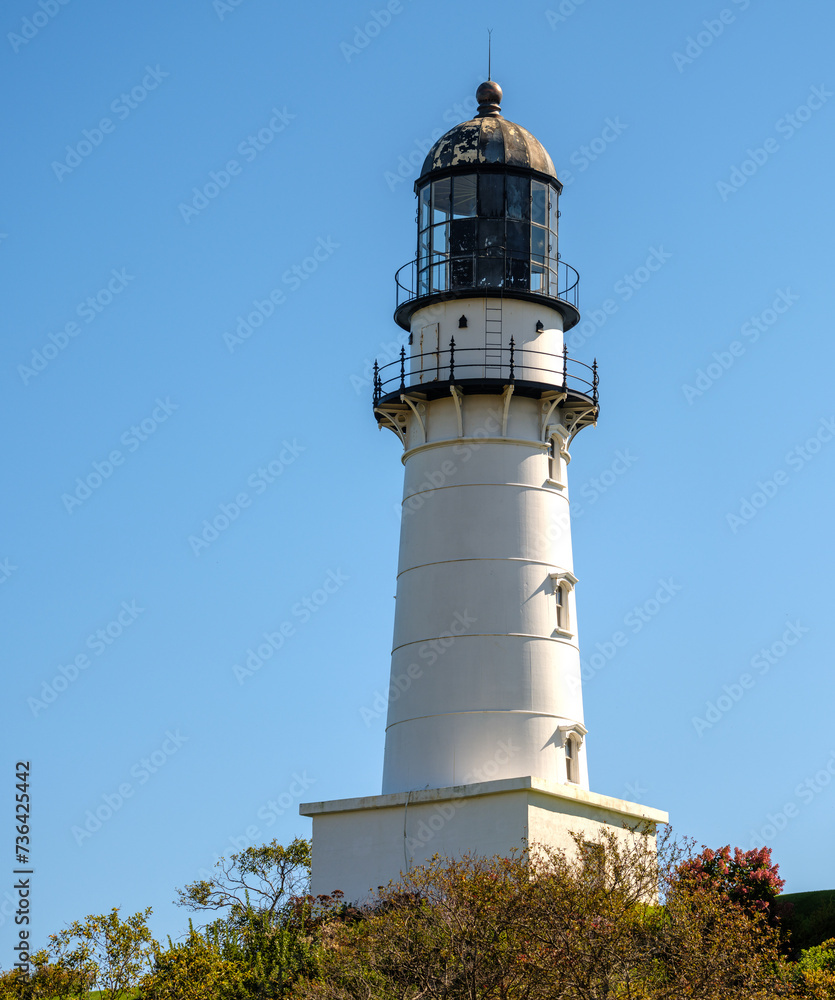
x=562, y=608
x=556, y=459
x=563, y=590
x=570, y=740
x=572, y=771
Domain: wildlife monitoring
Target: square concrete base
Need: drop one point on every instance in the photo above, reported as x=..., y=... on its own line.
x=360, y=844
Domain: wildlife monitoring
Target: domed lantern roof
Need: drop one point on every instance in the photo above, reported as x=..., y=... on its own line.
x=488, y=140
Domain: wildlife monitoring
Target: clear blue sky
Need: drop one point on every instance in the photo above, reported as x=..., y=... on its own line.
x=122, y=281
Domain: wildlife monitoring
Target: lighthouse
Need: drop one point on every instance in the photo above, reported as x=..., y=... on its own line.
x=486, y=742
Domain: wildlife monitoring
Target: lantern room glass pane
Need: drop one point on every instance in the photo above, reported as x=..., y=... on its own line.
x=491, y=196
x=555, y=211
x=517, y=238
x=490, y=233
x=518, y=272
x=423, y=248
x=440, y=239
x=539, y=203
x=518, y=197
x=462, y=272
x=538, y=243
x=462, y=236
x=440, y=200
x=463, y=196
x=439, y=277
x=490, y=272
x=423, y=206
x=552, y=244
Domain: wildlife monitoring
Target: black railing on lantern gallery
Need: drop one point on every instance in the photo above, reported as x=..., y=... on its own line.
x=491, y=267
x=492, y=365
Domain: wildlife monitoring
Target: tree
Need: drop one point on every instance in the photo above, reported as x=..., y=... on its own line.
x=264, y=877
x=103, y=951
x=193, y=970
x=72, y=978
x=593, y=914
x=748, y=878
x=252, y=956
x=447, y=929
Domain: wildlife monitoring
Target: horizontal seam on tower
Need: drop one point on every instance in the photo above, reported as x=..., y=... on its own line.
x=489, y=635
x=457, y=486
x=428, y=445
x=482, y=711
x=502, y=559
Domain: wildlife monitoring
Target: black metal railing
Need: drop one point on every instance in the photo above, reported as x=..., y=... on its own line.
x=492, y=267
x=419, y=372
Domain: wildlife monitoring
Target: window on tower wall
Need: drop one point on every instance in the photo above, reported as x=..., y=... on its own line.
x=562, y=608
x=571, y=763
x=555, y=463
x=563, y=584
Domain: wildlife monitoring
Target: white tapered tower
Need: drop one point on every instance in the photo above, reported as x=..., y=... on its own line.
x=485, y=738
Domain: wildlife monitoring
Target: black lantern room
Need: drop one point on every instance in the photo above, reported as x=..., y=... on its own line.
x=488, y=211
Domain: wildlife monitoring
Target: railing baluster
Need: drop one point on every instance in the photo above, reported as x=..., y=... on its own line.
x=594, y=381
x=512, y=359
x=451, y=358
x=565, y=366
x=402, y=368
x=378, y=389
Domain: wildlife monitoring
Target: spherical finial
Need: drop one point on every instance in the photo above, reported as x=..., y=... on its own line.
x=489, y=97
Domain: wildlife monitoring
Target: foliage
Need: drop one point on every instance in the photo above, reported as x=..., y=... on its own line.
x=264, y=877
x=747, y=878
x=588, y=925
x=253, y=955
x=193, y=970
x=103, y=951
x=813, y=975
x=41, y=982
x=820, y=956
x=613, y=919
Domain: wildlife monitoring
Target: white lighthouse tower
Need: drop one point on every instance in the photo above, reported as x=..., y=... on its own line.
x=485, y=740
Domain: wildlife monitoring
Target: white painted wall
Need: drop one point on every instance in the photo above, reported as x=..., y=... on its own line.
x=519, y=319
x=492, y=680
x=361, y=844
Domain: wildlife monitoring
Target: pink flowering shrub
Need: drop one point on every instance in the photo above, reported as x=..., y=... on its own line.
x=748, y=878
